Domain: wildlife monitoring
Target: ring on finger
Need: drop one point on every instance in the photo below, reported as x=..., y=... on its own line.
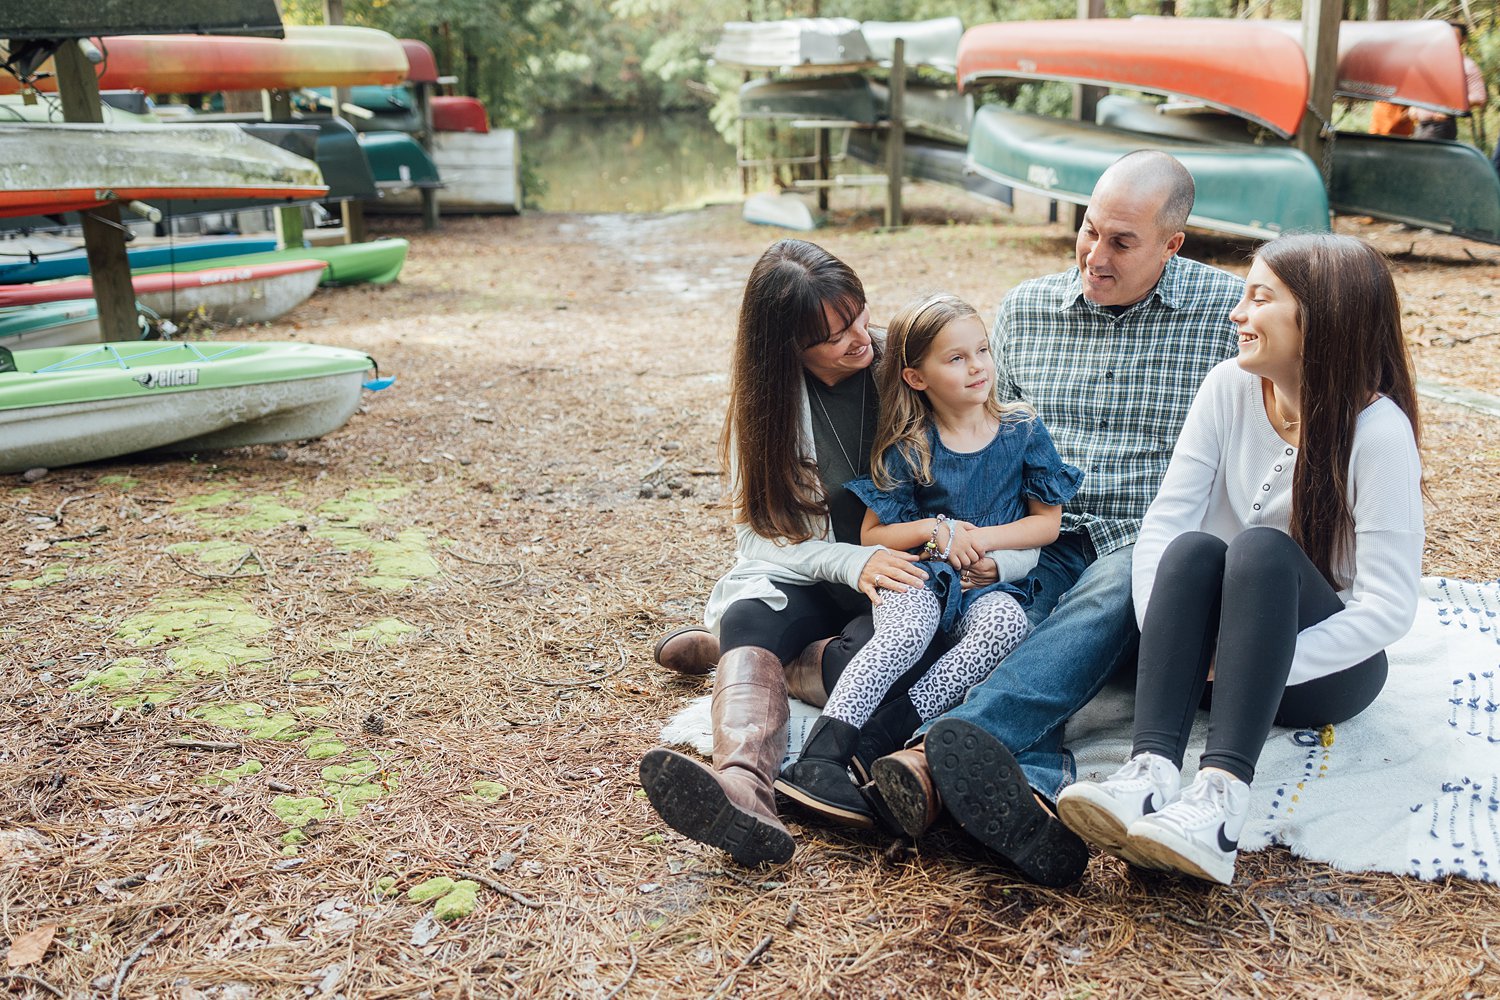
x=878, y=578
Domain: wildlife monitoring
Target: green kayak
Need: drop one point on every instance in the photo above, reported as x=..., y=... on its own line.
x=377, y=262
x=1256, y=191
x=64, y=405
x=398, y=161
x=1431, y=183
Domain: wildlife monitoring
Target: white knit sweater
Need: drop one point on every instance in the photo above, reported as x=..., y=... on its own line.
x=1230, y=471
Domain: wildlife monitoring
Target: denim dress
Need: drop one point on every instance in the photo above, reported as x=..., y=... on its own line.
x=987, y=487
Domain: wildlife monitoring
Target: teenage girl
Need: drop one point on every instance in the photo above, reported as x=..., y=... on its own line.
x=1281, y=556
x=959, y=478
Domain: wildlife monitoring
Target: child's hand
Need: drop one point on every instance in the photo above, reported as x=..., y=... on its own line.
x=966, y=551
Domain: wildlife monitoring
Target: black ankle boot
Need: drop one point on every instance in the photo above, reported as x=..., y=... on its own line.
x=819, y=779
x=886, y=732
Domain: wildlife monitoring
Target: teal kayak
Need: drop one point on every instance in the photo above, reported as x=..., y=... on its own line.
x=50, y=324
x=1255, y=191
x=75, y=263
x=64, y=405
x=378, y=262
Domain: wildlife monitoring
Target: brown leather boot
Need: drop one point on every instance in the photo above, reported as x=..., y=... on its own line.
x=907, y=791
x=692, y=650
x=731, y=806
x=804, y=675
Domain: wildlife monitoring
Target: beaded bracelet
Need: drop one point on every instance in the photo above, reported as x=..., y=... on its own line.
x=930, y=549
x=949, y=549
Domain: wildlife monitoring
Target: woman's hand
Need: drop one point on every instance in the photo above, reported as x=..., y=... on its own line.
x=981, y=574
x=888, y=569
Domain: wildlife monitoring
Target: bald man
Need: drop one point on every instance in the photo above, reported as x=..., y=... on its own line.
x=1110, y=353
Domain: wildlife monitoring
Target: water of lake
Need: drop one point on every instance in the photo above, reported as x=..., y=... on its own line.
x=630, y=163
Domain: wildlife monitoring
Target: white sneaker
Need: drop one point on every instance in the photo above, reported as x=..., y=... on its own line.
x=1198, y=834
x=1101, y=811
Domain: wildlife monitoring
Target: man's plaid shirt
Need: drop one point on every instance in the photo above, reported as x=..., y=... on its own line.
x=1114, y=390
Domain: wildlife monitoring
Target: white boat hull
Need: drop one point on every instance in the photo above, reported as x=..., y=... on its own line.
x=84, y=331
x=233, y=303
x=225, y=417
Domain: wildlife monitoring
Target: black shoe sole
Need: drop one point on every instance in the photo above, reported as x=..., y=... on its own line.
x=985, y=791
x=903, y=796
x=689, y=799
x=834, y=812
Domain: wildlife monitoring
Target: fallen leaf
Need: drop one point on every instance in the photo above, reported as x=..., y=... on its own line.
x=31, y=946
x=425, y=930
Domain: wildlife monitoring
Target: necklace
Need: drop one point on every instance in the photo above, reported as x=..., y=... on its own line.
x=816, y=394
x=1286, y=424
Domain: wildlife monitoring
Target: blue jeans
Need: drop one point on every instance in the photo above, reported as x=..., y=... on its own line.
x=1084, y=630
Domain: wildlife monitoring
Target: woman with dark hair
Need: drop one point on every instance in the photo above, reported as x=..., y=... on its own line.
x=800, y=424
x=1281, y=556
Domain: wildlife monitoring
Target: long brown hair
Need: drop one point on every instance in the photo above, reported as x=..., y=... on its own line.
x=774, y=487
x=1352, y=347
x=905, y=413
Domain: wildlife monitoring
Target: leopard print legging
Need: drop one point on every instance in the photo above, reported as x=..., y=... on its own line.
x=904, y=624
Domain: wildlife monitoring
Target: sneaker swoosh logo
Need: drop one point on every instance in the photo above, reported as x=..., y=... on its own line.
x=1149, y=805
x=1225, y=844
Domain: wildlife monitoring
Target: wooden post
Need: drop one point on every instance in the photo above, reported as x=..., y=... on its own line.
x=423, y=92
x=1086, y=99
x=895, y=161
x=820, y=169
x=353, y=211
x=276, y=105
x=103, y=235
x=1320, y=41
x=1379, y=10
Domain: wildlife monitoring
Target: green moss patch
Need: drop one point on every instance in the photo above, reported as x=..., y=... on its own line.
x=451, y=900
x=361, y=506
x=212, y=621
x=230, y=775
x=382, y=633
x=53, y=573
x=487, y=791
x=204, y=501
x=122, y=483
x=300, y=676
x=214, y=553
x=121, y=675
x=385, y=886
x=252, y=719
x=350, y=786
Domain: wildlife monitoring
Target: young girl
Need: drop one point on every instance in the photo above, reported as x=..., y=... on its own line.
x=962, y=479
x=1280, y=558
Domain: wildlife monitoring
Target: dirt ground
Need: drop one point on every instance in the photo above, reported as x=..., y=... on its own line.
x=410, y=679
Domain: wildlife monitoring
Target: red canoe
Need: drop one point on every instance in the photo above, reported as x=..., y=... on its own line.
x=326, y=56
x=459, y=114
x=1403, y=62
x=420, y=62
x=147, y=284
x=1242, y=67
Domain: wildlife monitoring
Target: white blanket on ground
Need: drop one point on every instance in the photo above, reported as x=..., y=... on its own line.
x=1411, y=785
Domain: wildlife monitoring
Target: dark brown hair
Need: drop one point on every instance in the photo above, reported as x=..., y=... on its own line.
x=774, y=487
x=1352, y=347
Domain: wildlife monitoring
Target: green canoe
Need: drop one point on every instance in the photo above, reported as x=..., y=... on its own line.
x=378, y=262
x=64, y=405
x=398, y=161
x=1447, y=186
x=1256, y=191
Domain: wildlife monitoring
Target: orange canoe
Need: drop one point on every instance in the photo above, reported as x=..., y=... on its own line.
x=1242, y=67
x=328, y=56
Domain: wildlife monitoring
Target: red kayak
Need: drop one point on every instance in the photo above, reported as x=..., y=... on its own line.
x=146, y=284
x=1243, y=67
x=459, y=114
x=326, y=56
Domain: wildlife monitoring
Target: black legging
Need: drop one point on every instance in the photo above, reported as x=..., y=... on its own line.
x=1244, y=603
x=812, y=612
